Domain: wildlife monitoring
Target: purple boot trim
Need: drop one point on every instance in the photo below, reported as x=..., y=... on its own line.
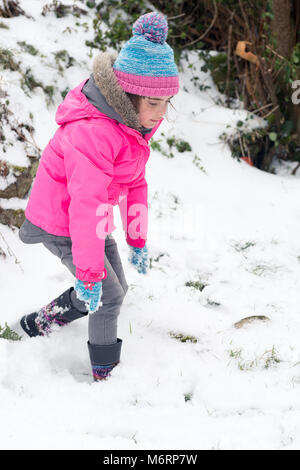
x=49, y=315
x=102, y=372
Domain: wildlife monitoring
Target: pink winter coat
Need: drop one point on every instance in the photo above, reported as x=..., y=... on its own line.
x=92, y=163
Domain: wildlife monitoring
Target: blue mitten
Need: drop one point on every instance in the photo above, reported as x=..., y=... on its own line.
x=138, y=257
x=90, y=293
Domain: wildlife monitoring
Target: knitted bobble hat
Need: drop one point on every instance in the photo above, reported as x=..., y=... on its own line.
x=145, y=65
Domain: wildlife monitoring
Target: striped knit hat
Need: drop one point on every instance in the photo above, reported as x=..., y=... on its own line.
x=145, y=65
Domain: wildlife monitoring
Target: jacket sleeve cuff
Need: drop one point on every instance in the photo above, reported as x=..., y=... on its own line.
x=137, y=243
x=90, y=276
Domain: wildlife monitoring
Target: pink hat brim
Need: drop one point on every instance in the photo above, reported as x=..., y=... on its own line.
x=147, y=86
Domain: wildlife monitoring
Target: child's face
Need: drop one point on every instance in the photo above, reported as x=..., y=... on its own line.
x=152, y=109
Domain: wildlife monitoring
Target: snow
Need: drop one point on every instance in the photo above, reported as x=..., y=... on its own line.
x=232, y=227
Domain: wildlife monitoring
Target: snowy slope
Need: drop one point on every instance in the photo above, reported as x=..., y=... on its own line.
x=222, y=223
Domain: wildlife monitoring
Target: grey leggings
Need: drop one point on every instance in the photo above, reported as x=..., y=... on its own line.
x=102, y=326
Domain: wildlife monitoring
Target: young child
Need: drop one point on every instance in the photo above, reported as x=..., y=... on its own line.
x=95, y=160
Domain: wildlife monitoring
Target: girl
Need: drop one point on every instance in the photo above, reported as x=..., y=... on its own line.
x=96, y=160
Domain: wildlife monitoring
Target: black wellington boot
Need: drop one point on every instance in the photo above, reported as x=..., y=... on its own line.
x=104, y=358
x=59, y=312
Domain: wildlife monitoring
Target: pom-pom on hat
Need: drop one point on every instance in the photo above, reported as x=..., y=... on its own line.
x=145, y=65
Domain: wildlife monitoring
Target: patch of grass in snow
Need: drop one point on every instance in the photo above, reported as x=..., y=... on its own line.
x=243, y=246
x=181, y=145
x=263, y=269
x=176, y=201
x=198, y=285
x=7, y=61
x=156, y=260
x=188, y=397
x=29, y=48
x=159, y=256
x=197, y=163
x=3, y=25
x=83, y=25
x=235, y=353
x=247, y=365
x=155, y=145
x=23, y=132
x=212, y=303
x=29, y=83
x=260, y=269
x=63, y=56
x=7, y=333
x=268, y=359
x=65, y=92
x=166, y=147
x=271, y=358
x=183, y=338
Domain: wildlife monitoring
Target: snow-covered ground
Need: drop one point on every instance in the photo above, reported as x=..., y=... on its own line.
x=213, y=220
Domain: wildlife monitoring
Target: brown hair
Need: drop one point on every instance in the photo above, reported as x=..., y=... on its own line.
x=136, y=99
